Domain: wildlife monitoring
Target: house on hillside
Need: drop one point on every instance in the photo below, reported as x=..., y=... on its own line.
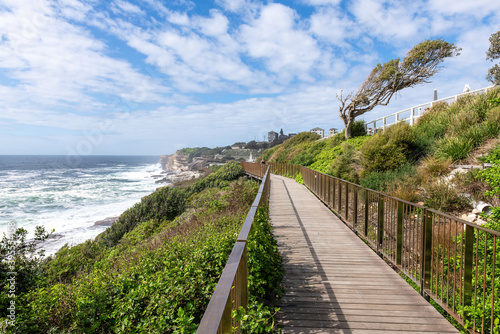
x=319, y=131
x=332, y=132
x=272, y=136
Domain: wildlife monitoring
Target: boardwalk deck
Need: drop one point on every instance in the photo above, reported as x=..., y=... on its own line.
x=334, y=283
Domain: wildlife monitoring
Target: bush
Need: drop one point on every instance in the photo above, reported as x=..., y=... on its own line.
x=158, y=279
x=405, y=189
x=345, y=165
x=381, y=181
x=358, y=128
x=443, y=196
x=388, y=149
x=379, y=154
x=454, y=148
x=21, y=256
x=432, y=167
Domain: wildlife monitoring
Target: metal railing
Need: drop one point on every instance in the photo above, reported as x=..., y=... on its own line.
x=410, y=115
x=258, y=170
x=453, y=261
x=231, y=291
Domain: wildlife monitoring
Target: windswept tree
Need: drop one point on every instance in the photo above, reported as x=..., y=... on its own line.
x=420, y=64
x=494, y=53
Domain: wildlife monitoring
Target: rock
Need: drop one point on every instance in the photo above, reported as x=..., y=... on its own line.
x=476, y=211
x=420, y=203
x=480, y=222
x=106, y=222
x=471, y=218
x=464, y=216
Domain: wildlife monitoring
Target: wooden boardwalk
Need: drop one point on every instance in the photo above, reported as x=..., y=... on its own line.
x=334, y=283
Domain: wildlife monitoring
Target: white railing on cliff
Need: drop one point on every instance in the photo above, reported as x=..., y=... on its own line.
x=410, y=115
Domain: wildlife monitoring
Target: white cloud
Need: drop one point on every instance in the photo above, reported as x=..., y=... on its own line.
x=56, y=62
x=322, y=2
x=178, y=18
x=391, y=20
x=274, y=37
x=333, y=26
x=476, y=8
x=238, y=6
x=216, y=25
x=127, y=8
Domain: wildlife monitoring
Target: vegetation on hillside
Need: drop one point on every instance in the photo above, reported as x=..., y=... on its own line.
x=411, y=162
x=155, y=270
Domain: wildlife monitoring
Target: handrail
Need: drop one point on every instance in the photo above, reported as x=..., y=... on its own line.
x=412, y=118
x=231, y=291
x=450, y=259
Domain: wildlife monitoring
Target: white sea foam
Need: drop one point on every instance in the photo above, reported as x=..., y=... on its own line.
x=71, y=201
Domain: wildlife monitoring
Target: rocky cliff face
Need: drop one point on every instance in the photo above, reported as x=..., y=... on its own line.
x=178, y=168
x=174, y=163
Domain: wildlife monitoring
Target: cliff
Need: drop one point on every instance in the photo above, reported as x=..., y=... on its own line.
x=178, y=168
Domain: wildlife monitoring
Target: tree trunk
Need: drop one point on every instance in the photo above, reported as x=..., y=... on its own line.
x=348, y=127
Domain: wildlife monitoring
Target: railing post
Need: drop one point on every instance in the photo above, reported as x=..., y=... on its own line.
x=384, y=123
x=355, y=206
x=412, y=115
x=426, y=257
x=399, y=250
x=340, y=196
x=329, y=189
x=347, y=202
x=367, y=205
x=380, y=225
x=322, y=187
x=334, y=185
x=468, y=262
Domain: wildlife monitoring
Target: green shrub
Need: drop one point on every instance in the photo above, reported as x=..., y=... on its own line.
x=381, y=181
x=345, y=165
x=443, y=196
x=157, y=279
x=21, y=256
x=299, y=178
x=379, y=154
x=264, y=280
x=358, y=128
x=454, y=148
x=492, y=177
x=493, y=156
x=433, y=167
x=336, y=139
x=388, y=149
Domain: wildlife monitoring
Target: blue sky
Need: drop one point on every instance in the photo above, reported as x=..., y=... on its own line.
x=149, y=77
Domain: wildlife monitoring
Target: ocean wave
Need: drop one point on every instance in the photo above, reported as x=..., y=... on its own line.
x=71, y=200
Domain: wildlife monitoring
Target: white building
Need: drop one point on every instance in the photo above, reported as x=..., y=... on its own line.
x=319, y=131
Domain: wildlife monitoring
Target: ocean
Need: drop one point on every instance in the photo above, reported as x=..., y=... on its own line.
x=70, y=193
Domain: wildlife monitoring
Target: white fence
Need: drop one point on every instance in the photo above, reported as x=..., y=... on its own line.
x=410, y=115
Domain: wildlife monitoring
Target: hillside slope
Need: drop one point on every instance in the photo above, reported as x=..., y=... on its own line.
x=153, y=271
x=413, y=163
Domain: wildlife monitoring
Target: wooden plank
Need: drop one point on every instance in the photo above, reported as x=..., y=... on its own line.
x=334, y=283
